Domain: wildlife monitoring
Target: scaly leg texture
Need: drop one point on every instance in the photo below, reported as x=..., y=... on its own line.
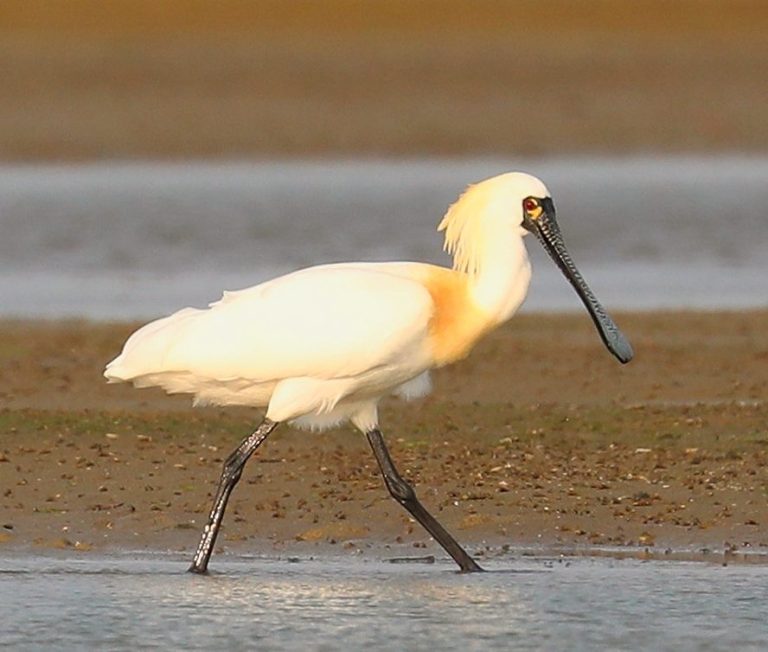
x=404, y=494
x=233, y=469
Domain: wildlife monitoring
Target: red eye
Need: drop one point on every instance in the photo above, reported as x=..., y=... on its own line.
x=530, y=204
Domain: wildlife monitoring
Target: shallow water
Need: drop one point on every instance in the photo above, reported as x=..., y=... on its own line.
x=138, y=240
x=350, y=604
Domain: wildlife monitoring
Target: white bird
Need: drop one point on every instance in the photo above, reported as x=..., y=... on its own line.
x=323, y=345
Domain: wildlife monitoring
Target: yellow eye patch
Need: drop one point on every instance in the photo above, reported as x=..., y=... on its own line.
x=532, y=208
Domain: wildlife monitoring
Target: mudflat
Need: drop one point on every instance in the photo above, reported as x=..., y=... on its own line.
x=538, y=438
x=128, y=79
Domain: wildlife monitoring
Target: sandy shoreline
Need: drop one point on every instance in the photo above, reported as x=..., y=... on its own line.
x=538, y=439
x=88, y=80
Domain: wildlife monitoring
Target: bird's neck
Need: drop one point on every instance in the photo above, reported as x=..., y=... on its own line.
x=467, y=303
x=500, y=283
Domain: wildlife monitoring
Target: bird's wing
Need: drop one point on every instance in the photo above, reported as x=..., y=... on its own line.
x=331, y=321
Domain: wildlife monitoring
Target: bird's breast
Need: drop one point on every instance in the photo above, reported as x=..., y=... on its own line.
x=456, y=322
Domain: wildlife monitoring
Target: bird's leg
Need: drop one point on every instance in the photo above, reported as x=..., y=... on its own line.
x=233, y=469
x=404, y=494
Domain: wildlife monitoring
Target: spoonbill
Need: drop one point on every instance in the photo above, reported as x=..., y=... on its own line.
x=323, y=345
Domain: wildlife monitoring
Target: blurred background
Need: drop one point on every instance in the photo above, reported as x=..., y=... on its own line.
x=153, y=152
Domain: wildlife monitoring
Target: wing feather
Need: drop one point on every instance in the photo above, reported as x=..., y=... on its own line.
x=325, y=322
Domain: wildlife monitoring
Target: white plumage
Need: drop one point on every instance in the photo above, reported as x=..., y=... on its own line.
x=312, y=343
x=322, y=345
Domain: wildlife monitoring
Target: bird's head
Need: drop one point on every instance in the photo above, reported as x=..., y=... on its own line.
x=528, y=203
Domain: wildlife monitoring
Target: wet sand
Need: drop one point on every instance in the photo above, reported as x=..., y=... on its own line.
x=539, y=438
x=127, y=79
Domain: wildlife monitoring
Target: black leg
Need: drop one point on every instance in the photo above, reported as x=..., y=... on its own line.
x=233, y=469
x=403, y=493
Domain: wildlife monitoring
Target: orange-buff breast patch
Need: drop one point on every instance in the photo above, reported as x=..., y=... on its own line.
x=456, y=323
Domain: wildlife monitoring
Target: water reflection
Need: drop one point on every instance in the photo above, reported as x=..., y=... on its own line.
x=339, y=603
x=368, y=602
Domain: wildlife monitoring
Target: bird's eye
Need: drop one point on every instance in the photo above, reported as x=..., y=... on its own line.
x=530, y=204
